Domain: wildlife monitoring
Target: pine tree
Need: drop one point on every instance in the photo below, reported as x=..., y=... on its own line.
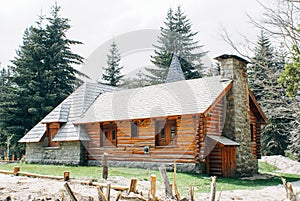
x=139, y=80
x=176, y=37
x=263, y=77
x=112, y=72
x=290, y=78
x=42, y=75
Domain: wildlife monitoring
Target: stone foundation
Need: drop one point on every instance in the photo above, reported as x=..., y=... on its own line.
x=181, y=167
x=68, y=153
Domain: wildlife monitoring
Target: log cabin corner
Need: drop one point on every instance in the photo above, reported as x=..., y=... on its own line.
x=208, y=125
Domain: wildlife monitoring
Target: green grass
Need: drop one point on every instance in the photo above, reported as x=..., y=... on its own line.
x=184, y=180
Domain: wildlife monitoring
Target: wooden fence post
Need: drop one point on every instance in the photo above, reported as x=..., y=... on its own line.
x=192, y=193
x=213, y=189
x=168, y=189
x=70, y=192
x=16, y=170
x=153, y=186
x=108, y=192
x=101, y=196
x=66, y=175
x=177, y=195
x=105, y=167
x=133, y=185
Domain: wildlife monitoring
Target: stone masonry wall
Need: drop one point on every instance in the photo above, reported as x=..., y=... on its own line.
x=237, y=123
x=68, y=153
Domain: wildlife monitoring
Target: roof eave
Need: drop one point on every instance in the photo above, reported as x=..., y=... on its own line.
x=260, y=111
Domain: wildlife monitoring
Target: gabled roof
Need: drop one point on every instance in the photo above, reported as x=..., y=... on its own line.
x=259, y=114
x=175, y=72
x=175, y=98
x=69, y=111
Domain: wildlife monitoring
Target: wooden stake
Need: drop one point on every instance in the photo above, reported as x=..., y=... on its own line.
x=119, y=196
x=133, y=185
x=16, y=170
x=101, y=196
x=168, y=189
x=177, y=195
x=105, y=166
x=108, y=192
x=292, y=196
x=192, y=193
x=153, y=186
x=285, y=187
x=213, y=189
x=69, y=191
x=66, y=175
x=63, y=196
x=219, y=196
x=13, y=157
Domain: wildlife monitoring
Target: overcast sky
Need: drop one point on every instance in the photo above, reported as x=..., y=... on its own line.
x=94, y=22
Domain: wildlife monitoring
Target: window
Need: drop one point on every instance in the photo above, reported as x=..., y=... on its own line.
x=165, y=132
x=52, y=129
x=108, y=135
x=134, y=129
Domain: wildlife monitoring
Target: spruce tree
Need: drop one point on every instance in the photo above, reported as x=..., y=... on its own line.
x=263, y=77
x=112, y=73
x=42, y=74
x=176, y=37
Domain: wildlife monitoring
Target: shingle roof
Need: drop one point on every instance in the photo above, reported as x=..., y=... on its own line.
x=175, y=72
x=212, y=140
x=176, y=98
x=69, y=111
x=223, y=140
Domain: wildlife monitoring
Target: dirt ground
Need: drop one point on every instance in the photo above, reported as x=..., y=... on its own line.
x=25, y=189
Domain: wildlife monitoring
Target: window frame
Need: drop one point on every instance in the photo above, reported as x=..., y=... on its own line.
x=165, y=132
x=134, y=129
x=108, y=135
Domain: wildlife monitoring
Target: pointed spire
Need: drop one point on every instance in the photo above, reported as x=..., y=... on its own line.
x=175, y=72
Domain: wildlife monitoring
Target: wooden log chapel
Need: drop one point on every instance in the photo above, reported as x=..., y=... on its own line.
x=209, y=125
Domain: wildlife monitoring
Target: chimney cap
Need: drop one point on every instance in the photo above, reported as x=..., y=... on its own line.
x=228, y=56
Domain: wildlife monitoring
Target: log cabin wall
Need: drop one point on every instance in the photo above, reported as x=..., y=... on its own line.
x=131, y=149
x=253, y=134
x=258, y=140
x=214, y=119
x=213, y=125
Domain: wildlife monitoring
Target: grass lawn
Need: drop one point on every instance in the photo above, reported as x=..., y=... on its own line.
x=184, y=180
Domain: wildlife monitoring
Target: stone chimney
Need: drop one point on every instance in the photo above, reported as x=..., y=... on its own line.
x=237, y=122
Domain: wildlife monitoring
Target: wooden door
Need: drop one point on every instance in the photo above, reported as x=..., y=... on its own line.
x=222, y=161
x=228, y=161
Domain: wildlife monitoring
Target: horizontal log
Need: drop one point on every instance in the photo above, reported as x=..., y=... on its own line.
x=115, y=187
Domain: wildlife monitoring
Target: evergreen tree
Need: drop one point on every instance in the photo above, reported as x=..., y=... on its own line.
x=176, y=37
x=112, y=72
x=215, y=70
x=263, y=77
x=139, y=80
x=42, y=75
x=290, y=77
